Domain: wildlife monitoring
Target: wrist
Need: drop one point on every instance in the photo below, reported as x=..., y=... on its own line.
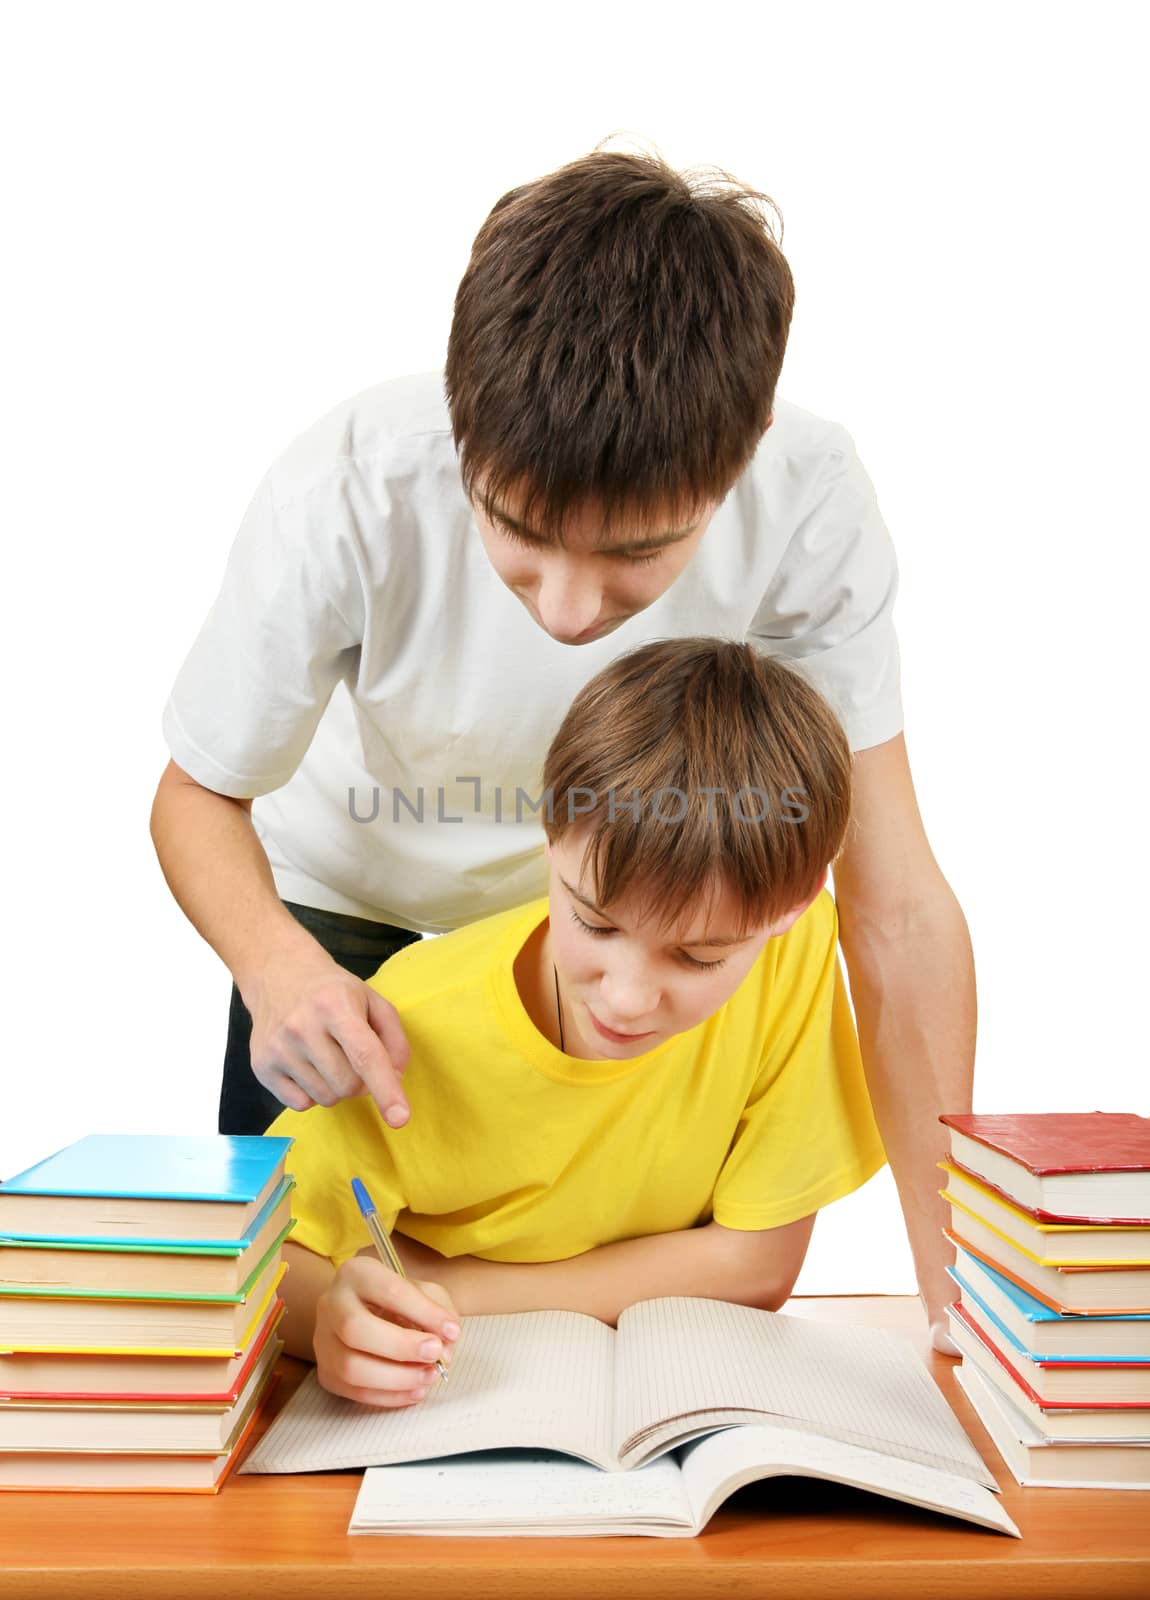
x=936, y=1290
x=478, y=1287
x=458, y=1277
x=281, y=942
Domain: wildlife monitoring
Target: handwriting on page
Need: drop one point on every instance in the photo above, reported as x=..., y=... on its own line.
x=679, y=1358
x=542, y=1380
x=531, y=1493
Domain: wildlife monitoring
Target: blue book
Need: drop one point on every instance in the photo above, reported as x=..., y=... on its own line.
x=1025, y=1322
x=145, y=1189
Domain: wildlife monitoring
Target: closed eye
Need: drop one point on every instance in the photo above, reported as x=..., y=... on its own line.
x=515, y=536
x=601, y=932
x=639, y=561
x=522, y=539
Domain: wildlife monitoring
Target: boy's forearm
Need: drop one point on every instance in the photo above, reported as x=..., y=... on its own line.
x=306, y=1278
x=220, y=876
x=708, y=1261
x=913, y=988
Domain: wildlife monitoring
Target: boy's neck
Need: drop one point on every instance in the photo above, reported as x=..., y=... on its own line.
x=534, y=974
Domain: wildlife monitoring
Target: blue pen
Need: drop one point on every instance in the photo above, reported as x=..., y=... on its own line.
x=384, y=1247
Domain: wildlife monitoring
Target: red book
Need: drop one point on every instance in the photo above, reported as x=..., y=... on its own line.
x=1065, y=1166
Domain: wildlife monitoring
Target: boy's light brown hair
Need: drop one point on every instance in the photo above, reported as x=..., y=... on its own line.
x=691, y=762
x=617, y=340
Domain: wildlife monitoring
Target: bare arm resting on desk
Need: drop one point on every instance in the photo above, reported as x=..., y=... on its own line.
x=355, y=1322
x=752, y=1268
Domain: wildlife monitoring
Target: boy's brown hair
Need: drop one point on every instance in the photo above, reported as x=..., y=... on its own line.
x=691, y=762
x=617, y=340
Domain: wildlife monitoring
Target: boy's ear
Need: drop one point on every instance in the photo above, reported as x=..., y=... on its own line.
x=789, y=918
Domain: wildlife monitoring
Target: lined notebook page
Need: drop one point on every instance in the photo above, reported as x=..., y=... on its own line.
x=542, y=1380
x=678, y=1358
x=723, y=1462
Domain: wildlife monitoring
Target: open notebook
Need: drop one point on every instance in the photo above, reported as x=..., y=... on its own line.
x=851, y=1404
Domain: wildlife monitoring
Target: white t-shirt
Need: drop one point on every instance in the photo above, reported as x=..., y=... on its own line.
x=365, y=672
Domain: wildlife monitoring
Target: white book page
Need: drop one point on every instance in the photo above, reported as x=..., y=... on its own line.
x=541, y=1379
x=687, y=1358
x=525, y=1493
x=715, y=1467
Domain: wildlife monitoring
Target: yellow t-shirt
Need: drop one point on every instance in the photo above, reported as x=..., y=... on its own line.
x=517, y=1152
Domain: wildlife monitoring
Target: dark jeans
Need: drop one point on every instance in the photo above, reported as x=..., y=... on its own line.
x=357, y=944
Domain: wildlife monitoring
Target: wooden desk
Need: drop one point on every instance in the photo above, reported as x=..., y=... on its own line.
x=286, y=1538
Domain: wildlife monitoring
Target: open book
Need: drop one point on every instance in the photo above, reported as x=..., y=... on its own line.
x=850, y=1404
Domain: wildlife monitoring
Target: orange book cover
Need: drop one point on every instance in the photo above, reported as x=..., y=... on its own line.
x=1065, y=1311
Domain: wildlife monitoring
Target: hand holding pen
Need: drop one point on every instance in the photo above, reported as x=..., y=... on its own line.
x=383, y=1245
x=380, y=1338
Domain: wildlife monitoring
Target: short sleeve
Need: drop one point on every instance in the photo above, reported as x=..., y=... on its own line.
x=331, y=1145
x=284, y=629
x=807, y=1134
x=830, y=606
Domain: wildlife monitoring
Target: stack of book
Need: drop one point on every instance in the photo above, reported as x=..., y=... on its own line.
x=138, y=1309
x=1050, y=1216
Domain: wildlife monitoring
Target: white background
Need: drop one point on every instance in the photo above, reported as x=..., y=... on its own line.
x=224, y=218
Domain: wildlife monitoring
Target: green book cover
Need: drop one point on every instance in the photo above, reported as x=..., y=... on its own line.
x=40, y=1291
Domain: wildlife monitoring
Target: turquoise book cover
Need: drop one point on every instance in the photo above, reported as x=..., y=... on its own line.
x=154, y=1247
x=1037, y=1355
x=159, y=1166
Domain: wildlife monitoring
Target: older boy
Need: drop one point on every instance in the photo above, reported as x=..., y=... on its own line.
x=646, y=1084
x=612, y=442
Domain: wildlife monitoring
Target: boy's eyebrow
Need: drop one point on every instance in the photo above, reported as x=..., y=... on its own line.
x=719, y=939
x=628, y=547
x=588, y=905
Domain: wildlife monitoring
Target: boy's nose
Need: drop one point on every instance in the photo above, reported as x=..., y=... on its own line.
x=568, y=602
x=628, y=998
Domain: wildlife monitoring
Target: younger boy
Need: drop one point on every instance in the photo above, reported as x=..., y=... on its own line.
x=646, y=1084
